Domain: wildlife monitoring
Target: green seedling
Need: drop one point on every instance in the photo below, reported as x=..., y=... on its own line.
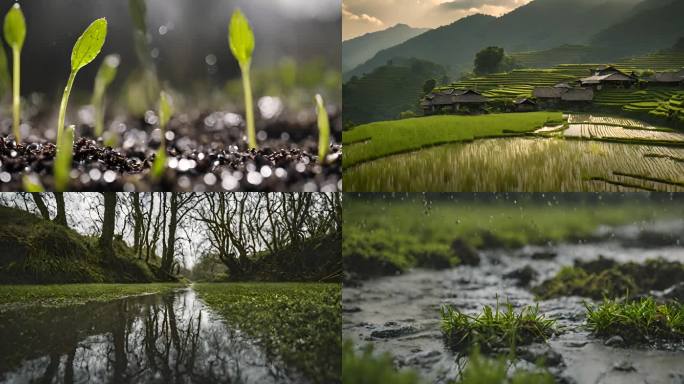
x=63, y=159
x=165, y=112
x=493, y=329
x=323, y=129
x=86, y=49
x=5, y=78
x=241, y=41
x=32, y=184
x=637, y=321
x=15, y=35
x=105, y=76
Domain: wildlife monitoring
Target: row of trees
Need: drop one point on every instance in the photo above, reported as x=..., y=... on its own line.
x=164, y=228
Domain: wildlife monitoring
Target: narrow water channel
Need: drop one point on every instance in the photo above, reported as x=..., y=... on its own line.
x=170, y=338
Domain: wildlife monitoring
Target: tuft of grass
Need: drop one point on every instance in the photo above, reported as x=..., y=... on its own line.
x=62, y=166
x=637, y=321
x=370, y=368
x=15, y=34
x=323, y=129
x=483, y=370
x=606, y=278
x=296, y=323
x=241, y=42
x=495, y=329
x=165, y=112
x=86, y=49
x=105, y=75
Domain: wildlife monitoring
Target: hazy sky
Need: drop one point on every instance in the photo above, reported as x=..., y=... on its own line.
x=363, y=16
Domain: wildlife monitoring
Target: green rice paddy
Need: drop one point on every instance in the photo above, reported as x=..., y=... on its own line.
x=372, y=141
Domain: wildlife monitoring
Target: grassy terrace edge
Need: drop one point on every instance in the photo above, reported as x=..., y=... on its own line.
x=75, y=294
x=398, y=136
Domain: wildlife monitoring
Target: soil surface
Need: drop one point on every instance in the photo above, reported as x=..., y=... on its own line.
x=206, y=152
x=400, y=314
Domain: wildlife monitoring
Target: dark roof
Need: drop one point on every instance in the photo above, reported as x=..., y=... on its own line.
x=578, y=94
x=666, y=77
x=548, y=92
x=562, y=85
x=451, y=96
x=524, y=102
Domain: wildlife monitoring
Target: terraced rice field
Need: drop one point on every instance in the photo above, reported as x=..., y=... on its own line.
x=525, y=164
x=618, y=129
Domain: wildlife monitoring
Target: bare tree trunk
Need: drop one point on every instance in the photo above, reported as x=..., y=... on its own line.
x=61, y=210
x=40, y=203
x=109, y=221
x=167, y=258
x=138, y=225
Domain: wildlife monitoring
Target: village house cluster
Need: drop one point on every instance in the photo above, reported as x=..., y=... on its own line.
x=579, y=93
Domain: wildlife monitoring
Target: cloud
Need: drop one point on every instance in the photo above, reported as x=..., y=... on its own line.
x=363, y=17
x=460, y=5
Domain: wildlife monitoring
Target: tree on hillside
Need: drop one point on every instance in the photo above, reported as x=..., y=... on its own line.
x=40, y=203
x=679, y=45
x=109, y=221
x=61, y=209
x=181, y=204
x=492, y=60
x=429, y=85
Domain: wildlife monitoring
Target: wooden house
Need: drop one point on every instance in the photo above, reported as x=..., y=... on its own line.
x=667, y=79
x=578, y=96
x=608, y=77
x=454, y=100
x=525, y=105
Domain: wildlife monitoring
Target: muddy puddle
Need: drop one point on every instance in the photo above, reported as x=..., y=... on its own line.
x=400, y=314
x=171, y=338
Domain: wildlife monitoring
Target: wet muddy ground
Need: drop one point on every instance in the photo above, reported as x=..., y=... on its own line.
x=400, y=314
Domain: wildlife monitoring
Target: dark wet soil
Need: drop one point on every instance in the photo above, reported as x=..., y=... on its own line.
x=206, y=152
x=400, y=314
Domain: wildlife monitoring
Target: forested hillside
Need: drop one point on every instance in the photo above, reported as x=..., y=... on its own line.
x=387, y=91
x=360, y=49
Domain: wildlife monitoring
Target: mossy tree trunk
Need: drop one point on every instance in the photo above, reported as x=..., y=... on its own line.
x=61, y=209
x=109, y=221
x=167, y=258
x=40, y=203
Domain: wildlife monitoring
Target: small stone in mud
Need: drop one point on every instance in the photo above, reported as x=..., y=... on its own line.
x=523, y=276
x=424, y=359
x=675, y=292
x=544, y=255
x=624, y=366
x=466, y=254
x=351, y=309
x=389, y=332
x=614, y=341
x=541, y=352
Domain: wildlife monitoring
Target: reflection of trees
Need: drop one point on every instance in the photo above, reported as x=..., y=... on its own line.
x=165, y=339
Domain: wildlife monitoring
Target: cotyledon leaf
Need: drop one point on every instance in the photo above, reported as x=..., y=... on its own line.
x=15, y=27
x=241, y=38
x=89, y=44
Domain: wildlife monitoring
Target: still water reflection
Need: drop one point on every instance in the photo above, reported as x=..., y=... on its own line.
x=171, y=338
